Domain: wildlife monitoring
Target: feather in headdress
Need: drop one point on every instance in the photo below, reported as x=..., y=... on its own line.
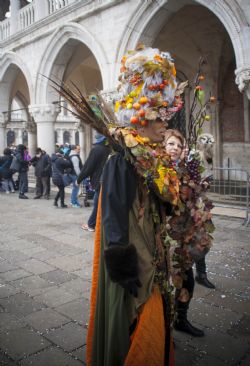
x=94, y=112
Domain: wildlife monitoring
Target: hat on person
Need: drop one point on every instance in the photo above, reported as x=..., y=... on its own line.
x=99, y=138
x=148, y=89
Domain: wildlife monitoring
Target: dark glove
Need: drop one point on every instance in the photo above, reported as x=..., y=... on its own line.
x=132, y=287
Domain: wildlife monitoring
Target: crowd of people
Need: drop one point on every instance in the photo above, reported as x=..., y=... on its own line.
x=62, y=168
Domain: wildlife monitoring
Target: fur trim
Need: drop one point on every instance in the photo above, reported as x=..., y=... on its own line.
x=121, y=263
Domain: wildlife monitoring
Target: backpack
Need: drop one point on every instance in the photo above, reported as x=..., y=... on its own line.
x=15, y=165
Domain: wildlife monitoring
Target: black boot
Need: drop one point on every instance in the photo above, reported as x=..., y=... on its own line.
x=55, y=203
x=183, y=325
x=22, y=196
x=202, y=279
x=63, y=205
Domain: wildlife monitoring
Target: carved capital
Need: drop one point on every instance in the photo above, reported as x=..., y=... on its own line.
x=243, y=80
x=44, y=112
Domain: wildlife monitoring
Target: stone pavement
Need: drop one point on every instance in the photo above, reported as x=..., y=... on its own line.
x=45, y=278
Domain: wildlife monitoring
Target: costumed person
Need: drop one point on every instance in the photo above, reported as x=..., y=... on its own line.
x=175, y=143
x=93, y=168
x=191, y=227
x=132, y=302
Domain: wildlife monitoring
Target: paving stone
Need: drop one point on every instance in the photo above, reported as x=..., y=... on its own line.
x=229, y=301
x=20, y=305
x=58, y=276
x=221, y=346
x=22, y=342
x=209, y=361
x=84, y=273
x=56, y=297
x=15, y=274
x=75, y=310
x=213, y=317
x=35, y=266
x=7, y=290
x=80, y=353
x=52, y=357
x=229, y=285
x=13, y=256
x=185, y=355
x=46, y=254
x=33, y=250
x=79, y=286
x=241, y=328
x=6, y=266
x=6, y=361
x=45, y=319
x=68, y=337
x=68, y=263
x=10, y=321
x=31, y=285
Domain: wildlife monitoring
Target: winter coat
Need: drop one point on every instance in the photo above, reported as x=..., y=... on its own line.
x=42, y=165
x=21, y=158
x=94, y=164
x=59, y=166
x=5, y=163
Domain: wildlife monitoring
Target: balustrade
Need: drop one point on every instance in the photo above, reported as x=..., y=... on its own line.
x=4, y=29
x=26, y=16
x=55, y=5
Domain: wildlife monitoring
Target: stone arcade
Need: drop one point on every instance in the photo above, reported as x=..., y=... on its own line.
x=83, y=41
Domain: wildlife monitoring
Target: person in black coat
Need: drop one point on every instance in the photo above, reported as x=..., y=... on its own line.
x=23, y=170
x=42, y=163
x=93, y=168
x=59, y=165
x=6, y=172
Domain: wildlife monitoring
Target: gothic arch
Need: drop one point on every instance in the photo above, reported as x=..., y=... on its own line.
x=63, y=34
x=11, y=64
x=149, y=18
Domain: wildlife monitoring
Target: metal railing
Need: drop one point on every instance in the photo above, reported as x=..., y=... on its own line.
x=230, y=188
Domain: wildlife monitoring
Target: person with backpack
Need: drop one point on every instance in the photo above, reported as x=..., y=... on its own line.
x=76, y=164
x=59, y=165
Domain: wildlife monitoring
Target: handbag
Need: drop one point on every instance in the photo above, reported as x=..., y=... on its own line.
x=15, y=165
x=67, y=179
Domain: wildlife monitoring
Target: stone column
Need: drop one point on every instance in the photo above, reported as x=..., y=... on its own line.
x=72, y=137
x=81, y=143
x=32, y=137
x=15, y=7
x=2, y=133
x=19, y=139
x=87, y=140
x=60, y=136
x=45, y=117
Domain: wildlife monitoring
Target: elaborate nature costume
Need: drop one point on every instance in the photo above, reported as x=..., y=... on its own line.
x=136, y=262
